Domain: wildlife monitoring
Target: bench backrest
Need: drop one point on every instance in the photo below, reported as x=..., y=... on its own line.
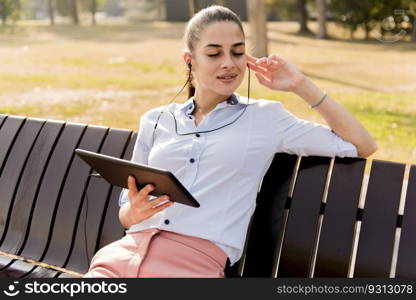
x=316, y=218
x=308, y=220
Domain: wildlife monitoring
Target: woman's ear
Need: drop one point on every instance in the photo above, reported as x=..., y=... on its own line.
x=187, y=59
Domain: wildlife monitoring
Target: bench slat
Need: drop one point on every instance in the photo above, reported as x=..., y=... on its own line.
x=337, y=231
x=112, y=229
x=98, y=193
x=301, y=227
x=265, y=229
x=41, y=272
x=375, y=245
x=8, y=133
x=2, y=119
x=25, y=199
x=406, y=262
x=14, y=166
x=47, y=200
x=63, y=231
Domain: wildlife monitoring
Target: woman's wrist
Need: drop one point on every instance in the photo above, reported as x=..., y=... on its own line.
x=308, y=91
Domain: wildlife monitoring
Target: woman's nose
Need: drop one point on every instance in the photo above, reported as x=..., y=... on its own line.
x=228, y=62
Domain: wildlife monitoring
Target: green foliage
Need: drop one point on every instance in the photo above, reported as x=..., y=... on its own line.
x=370, y=13
x=282, y=9
x=10, y=10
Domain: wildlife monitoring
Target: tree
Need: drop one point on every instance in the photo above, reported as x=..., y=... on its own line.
x=93, y=11
x=193, y=7
x=321, y=8
x=303, y=17
x=410, y=6
x=51, y=12
x=367, y=14
x=9, y=9
x=74, y=11
x=258, y=27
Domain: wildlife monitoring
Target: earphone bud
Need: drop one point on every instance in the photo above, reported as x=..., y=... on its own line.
x=189, y=65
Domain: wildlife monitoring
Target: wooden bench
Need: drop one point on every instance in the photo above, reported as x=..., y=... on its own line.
x=308, y=221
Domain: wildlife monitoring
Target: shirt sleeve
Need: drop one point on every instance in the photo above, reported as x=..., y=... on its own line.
x=140, y=151
x=305, y=138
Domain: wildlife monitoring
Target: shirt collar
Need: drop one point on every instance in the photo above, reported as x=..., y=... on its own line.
x=189, y=105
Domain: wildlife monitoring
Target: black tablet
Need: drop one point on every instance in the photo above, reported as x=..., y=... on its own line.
x=116, y=171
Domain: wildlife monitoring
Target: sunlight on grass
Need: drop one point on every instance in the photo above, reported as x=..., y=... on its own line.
x=374, y=81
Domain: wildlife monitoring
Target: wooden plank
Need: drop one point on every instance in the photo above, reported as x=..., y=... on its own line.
x=267, y=218
x=406, y=262
x=13, y=167
x=375, y=245
x=53, y=181
x=301, y=227
x=337, y=231
x=112, y=229
x=27, y=189
x=98, y=193
x=2, y=119
x=8, y=133
x=64, y=229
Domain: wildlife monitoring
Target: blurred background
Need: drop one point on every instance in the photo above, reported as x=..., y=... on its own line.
x=106, y=62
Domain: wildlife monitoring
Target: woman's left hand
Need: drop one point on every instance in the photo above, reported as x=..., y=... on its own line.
x=276, y=73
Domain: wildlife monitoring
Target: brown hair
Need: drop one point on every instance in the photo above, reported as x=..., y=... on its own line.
x=199, y=22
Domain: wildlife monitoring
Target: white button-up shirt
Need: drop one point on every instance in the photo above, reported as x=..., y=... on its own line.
x=222, y=169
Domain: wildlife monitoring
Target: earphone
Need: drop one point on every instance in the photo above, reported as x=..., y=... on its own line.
x=205, y=131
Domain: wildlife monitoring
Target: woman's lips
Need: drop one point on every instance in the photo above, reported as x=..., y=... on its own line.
x=227, y=78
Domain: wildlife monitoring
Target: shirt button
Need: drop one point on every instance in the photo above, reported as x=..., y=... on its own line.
x=197, y=135
x=192, y=160
x=190, y=117
x=167, y=222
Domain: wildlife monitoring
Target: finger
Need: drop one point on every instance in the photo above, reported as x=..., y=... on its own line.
x=272, y=58
x=158, y=200
x=251, y=58
x=144, y=192
x=263, y=80
x=262, y=62
x=131, y=183
x=162, y=207
x=256, y=68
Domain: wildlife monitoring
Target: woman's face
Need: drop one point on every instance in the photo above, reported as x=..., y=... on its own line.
x=219, y=60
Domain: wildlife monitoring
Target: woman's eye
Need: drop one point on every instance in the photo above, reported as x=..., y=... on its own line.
x=212, y=55
x=238, y=54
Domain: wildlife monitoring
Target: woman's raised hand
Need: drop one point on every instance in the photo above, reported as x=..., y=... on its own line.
x=275, y=73
x=141, y=208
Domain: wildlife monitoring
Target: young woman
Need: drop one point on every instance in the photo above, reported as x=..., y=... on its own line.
x=219, y=145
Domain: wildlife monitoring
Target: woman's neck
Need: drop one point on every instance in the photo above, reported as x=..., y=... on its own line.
x=205, y=102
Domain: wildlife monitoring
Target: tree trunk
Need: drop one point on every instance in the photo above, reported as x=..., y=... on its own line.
x=303, y=20
x=367, y=31
x=193, y=7
x=93, y=11
x=51, y=12
x=321, y=6
x=75, y=18
x=414, y=30
x=258, y=27
x=3, y=12
x=160, y=10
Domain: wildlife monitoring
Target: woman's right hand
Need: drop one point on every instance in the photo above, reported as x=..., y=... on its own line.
x=139, y=207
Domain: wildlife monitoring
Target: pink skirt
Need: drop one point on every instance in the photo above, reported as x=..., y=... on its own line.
x=156, y=253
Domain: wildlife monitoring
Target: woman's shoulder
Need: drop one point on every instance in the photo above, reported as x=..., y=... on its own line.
x=153, y=113
x=261, y=104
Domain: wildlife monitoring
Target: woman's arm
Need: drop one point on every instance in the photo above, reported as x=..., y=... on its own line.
x=341, y=121
x=277, y=74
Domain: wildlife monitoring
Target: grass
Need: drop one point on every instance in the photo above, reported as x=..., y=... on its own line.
x=111, y=74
